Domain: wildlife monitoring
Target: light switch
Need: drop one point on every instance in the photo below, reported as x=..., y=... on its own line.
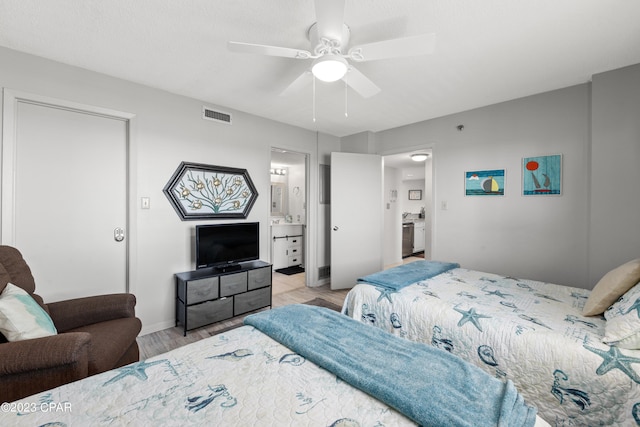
x=444, y=205
x=145, y=202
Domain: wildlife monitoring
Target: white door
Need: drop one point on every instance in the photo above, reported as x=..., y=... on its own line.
x=69, y=173
x=356, y=217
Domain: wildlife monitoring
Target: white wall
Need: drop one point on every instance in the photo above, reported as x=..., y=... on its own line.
x=297, y=205
x=543, y=238
x=428, y=206
x=412, y=206
x=169, y=129
x=362, y=143
x=392, y=238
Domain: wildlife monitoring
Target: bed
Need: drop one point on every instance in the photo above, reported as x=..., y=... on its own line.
x=532, y=333
x=248, y=377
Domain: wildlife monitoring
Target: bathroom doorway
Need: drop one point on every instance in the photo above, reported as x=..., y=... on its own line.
x=288, y=215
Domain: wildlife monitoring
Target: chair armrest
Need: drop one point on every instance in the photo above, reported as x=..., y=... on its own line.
x=32, y=366
x=78, y=312
x=18, y=357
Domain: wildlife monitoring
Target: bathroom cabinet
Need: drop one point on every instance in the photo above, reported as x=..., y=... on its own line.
x=418, y=236
x=287, y=248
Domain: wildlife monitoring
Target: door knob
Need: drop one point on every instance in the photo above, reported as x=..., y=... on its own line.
x=118, y=234
x=335, y=228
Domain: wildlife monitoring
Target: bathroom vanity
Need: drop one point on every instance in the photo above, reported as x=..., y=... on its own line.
x=287, y=247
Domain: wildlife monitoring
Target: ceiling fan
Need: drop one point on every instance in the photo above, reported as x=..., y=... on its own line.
x=329, y=37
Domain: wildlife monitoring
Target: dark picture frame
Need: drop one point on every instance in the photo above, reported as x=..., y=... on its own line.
x=199, y=191
x=415, y=194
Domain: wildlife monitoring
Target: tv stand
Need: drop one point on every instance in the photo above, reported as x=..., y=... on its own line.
x=228, y=267
x=210, y=295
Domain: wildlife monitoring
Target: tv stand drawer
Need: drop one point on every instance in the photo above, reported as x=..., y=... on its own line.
x=209, y=312
x=259, y=278
x=208, y=295
x=251, y=300
x=200, y=290
x=232, y=284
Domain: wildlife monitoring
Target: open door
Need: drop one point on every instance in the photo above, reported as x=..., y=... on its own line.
x=356, y=217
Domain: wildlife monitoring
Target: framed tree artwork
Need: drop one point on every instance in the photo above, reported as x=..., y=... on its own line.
x=198, y=191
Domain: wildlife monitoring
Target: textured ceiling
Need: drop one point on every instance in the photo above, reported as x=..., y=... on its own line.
x=487, y=51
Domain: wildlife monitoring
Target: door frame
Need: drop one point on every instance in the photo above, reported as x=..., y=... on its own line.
x=409, y=149
x=309, y=266
x=8, y=162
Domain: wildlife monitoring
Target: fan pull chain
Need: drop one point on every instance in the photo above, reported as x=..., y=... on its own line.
x=314, y=99
x=346, y=92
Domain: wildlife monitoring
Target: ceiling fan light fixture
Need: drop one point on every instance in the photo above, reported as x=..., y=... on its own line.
x=329, y=68
x=419, y=157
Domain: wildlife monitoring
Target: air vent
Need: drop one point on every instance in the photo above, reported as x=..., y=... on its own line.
x=216, y=116
x=324, y=272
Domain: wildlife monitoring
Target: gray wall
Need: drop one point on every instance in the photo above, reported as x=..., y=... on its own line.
x=572, y=239
x=615, y=170
x=169, y=129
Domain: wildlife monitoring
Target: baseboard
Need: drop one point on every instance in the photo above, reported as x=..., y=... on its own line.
x=157, y=327
x=319, y=283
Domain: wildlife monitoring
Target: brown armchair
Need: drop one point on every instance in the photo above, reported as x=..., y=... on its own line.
x=95, y=334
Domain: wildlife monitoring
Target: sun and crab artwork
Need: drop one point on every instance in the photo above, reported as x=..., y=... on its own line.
x=542, y=175
x=484, y=183
x=198, y=191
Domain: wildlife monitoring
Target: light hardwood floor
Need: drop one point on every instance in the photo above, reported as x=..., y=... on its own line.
x=286, y=290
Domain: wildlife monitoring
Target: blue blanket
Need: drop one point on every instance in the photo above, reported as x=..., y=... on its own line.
x=426, y=384
x=396, y=278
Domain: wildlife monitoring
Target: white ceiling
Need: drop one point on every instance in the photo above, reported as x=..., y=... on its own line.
x=408, y=168
x=487, y=51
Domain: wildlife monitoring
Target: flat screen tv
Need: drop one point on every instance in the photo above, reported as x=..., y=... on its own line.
x=226, y=245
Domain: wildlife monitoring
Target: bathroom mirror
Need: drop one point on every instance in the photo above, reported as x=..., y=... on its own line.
x=278, y=199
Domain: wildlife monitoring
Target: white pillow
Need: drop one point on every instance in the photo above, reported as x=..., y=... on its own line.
x=21, y=318
x=623, y=321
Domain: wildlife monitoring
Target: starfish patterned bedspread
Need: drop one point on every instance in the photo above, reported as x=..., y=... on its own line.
x=404, y=275
x=428, y=385
x=529, y=332
x=238, y=378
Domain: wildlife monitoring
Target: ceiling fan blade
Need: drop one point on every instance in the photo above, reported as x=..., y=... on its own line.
x=330, y=18
x=360, y=83
x=261, y=49
x=300, y=82
x=422, y=44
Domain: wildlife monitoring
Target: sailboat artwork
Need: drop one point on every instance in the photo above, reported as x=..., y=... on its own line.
x=542, y=175
x=484, y=183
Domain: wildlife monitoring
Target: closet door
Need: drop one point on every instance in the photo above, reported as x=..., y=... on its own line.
x=68, y=211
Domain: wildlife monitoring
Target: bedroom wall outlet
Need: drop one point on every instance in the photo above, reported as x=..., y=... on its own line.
x=145, y=203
